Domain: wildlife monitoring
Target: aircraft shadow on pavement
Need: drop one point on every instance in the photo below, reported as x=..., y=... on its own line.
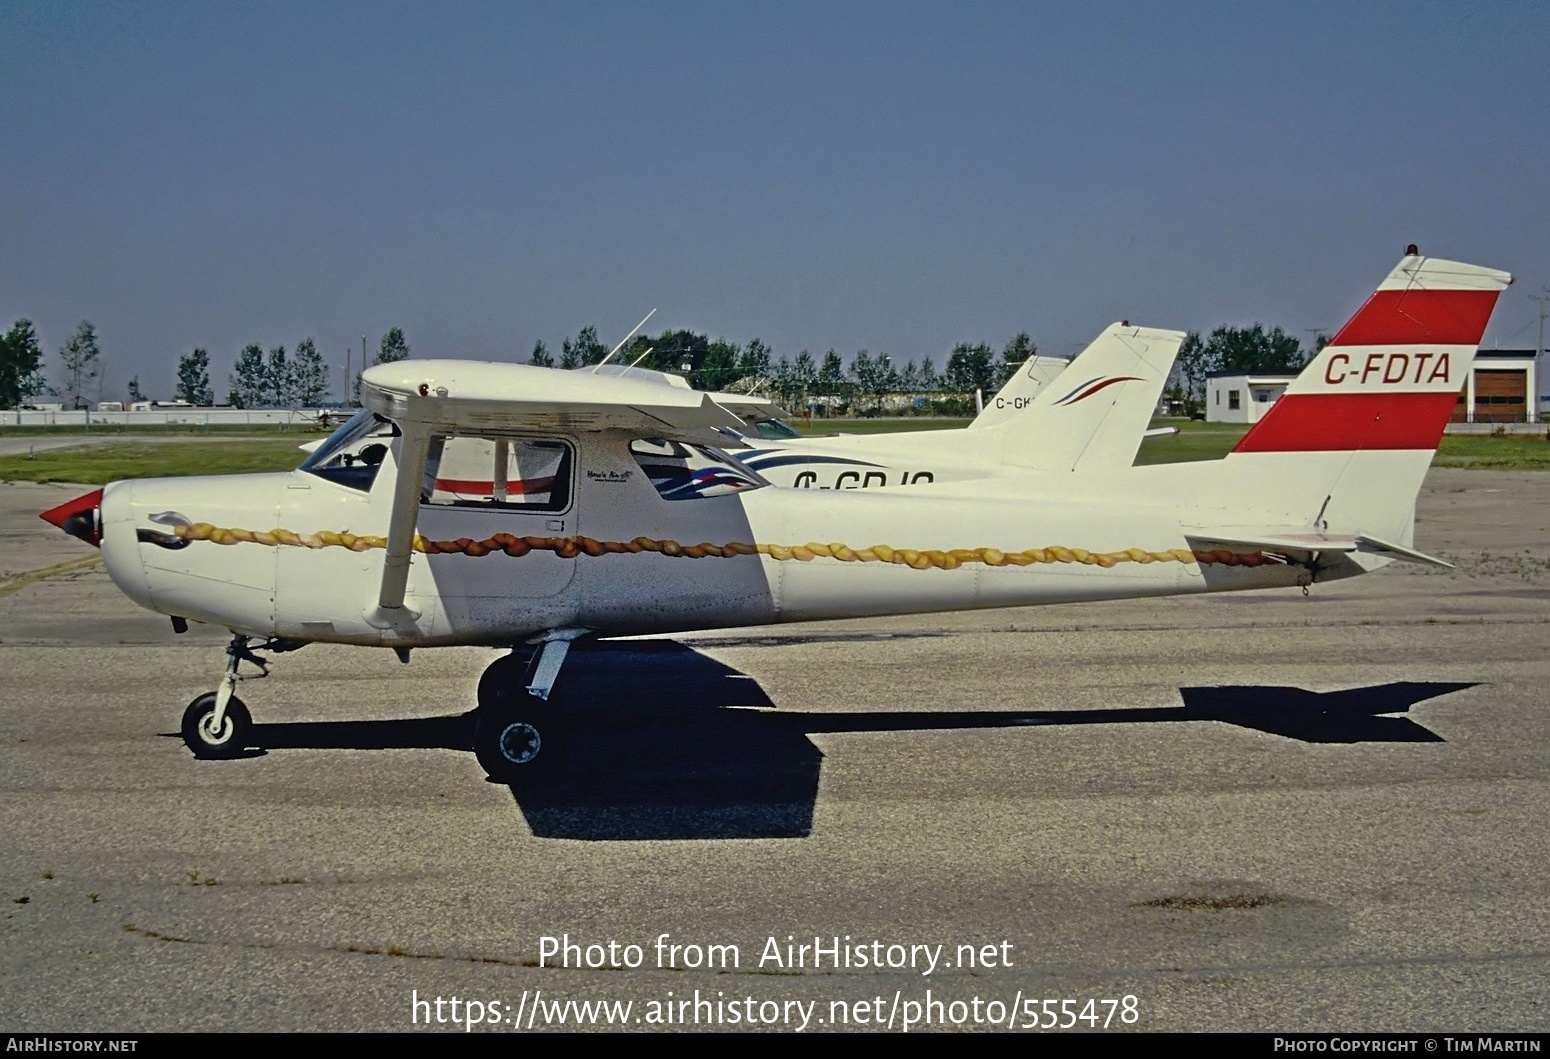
x=670, y=744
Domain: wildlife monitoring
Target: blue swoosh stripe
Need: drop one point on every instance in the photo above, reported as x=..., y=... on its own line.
x=787, y=461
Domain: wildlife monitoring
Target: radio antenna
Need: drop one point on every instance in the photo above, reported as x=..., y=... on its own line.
x=623, y=340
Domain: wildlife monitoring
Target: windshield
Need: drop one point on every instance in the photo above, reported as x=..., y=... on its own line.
x=774, y=429
x=352, y=454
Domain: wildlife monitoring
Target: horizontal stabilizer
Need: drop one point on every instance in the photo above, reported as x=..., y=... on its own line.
x=1303, y=543
x=1366, y=543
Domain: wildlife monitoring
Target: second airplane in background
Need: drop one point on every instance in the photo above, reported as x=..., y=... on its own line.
x=1050, y=416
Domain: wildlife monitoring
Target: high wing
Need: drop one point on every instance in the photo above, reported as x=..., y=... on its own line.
x=427, y=396
x=465, y=395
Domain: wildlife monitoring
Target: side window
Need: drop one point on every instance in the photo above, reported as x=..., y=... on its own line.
x=690, y=472
x=531, y=474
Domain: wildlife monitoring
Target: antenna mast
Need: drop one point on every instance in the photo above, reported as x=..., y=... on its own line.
x=623, y=340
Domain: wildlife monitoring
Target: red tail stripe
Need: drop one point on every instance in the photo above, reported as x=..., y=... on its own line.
x=1351, y=422
x=1407, y=317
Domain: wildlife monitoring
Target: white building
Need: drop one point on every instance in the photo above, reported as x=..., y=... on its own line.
x=1497, y=391
x=1238, y=397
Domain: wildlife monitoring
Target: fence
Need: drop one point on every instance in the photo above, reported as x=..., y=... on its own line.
x=169, y=417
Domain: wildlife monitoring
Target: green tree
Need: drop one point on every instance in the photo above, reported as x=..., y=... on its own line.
x=831, y=374
x=309, y=375
x=392, y=347
x=79, y=358
x=1016, y=353
x=754, y=360
x=21, y=364
x=796, y=379
x=875, y=376
x=718, y=368
x=969, y=368
x=248, y=379
x=134, y=389
x=805, y=371
x=1253, y=349
x=929, y=381
x=541, y=357
x=1193, y=365
x=1249, y=350
x=194, y=378
x=279, y=383
x=586, y=349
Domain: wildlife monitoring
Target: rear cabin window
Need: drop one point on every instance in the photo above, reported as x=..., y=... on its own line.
x=530, y=474
x=692, y=472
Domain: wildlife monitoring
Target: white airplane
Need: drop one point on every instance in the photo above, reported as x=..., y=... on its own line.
x=1027, y=425
x=602, y=507
x=1043, y=419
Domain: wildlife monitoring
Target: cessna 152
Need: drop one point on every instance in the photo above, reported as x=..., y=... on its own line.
x=1040, y=420
x=1028, y=425
x=602, y=506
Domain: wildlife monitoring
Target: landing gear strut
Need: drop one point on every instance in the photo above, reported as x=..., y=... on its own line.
x=217, y=724
x=519, y=733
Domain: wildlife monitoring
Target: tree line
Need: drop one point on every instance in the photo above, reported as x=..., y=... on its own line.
x=1251, y=350
x=716, y=364
x=299, y=377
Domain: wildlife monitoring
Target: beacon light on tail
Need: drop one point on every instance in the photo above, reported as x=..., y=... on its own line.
x=528, y=508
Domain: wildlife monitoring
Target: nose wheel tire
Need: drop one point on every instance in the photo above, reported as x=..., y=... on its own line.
x=520, y=740
x=201, y=735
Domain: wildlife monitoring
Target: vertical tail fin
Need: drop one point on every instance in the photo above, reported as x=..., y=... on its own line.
x=1348, y=444
x=1390, y=378
x=1093, y=416
x=1030, y=379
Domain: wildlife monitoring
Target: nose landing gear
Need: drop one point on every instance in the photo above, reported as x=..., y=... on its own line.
x=217, y=725
x=215, y=731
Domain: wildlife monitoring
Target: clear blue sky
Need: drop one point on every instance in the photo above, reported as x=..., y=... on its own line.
x=891, y=176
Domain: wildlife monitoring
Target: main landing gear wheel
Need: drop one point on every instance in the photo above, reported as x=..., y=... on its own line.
x=519, y=738
x=206, y=740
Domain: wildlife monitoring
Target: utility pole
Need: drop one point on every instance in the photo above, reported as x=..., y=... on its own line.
x=1532, y=399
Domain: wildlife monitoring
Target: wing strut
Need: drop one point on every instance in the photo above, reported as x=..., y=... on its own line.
x=413, y=451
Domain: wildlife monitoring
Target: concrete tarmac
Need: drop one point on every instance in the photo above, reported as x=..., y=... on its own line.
x=1261, y=812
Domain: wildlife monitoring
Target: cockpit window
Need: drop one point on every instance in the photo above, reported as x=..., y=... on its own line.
x=690, y=472
x=533, y=474
x=353, y=453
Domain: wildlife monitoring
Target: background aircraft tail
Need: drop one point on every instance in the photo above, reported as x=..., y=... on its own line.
x=1092, y=417
x=1031, y=377
x=1345, y=449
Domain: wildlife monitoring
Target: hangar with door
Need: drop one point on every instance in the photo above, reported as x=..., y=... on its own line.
x=1499, y=389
